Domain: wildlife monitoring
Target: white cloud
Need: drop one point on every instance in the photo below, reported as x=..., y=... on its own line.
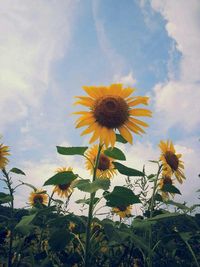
x=126, y=80
x=33, y=35
x=177, y=101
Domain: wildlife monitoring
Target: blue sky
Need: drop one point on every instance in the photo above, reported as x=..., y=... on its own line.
x=49, y=49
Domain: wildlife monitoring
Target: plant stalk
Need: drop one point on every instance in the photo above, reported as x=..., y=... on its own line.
x=90, y=212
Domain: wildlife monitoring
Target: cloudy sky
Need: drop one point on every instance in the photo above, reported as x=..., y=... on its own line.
x=49, y=49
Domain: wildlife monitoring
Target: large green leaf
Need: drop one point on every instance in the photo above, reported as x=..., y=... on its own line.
x=17, y=171
x=71, y=150
x=165, y=216
x=26, y=220
x=91, y=187
x=121, y=196
x=61, y=178
x=5, y=198
x=170, y=189
x=115, y=153
x=126, y=170
x=178, y=205
x=120, y=139
x=59, y=239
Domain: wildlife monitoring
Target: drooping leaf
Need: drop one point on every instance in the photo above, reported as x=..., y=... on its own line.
x=115, y=153
x=71, y=150
x=61, y=178
x=5, y=198
x=90, y=187
x=17, y=171
x=59, y=239
x=26, y=220
x=121, y=196
x=170, y=189
x=120, y=139
x=126, y=170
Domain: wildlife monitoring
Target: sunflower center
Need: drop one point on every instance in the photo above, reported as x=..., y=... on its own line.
x=167, y=180
x=63, y=187
x=111, y=111
x=104, y=163
x=122, y=208
x=38, y=199
x=171, y=160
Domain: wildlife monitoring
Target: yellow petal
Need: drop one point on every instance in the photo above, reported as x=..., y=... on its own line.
x=133, y=127
x=126, y=92
x=115, y=89
x=138, y=122
x=85, y=122
x=140, y=112
x=139, y=100
x=112, y=137
x=90, y=129
x=126, y=134
x=91, y=91
x=85, y=101
x=95, y=135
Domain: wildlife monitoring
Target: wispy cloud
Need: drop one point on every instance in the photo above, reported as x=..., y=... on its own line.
x=33, y=36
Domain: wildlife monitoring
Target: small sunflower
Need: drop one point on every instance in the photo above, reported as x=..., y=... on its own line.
x=4, y=151
x=105, y=167
x=38, y=197
x=171, y=161
x=164, y=181
x=111, y=108
x=122, y=211
x=64, y=190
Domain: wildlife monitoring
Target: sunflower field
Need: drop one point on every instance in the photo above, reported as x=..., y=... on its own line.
x=109, y=233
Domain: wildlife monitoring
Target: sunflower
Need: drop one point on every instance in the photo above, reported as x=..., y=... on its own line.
x=122, y=211
x=38, y=197
x=64, y=190
x=105, y=167
x=4, y=151
x=164, y=181
x=171, y=161
x=111, y=108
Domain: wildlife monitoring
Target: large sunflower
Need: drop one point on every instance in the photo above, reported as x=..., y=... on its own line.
x=38, y=197
x=4, y=151
x=64, y=190
x=122, y=211
x=171, y=161
x=105, y=167
x=111, y=108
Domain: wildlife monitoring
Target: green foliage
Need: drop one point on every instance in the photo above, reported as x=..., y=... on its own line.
x=115, y=153
x=17, y=171
x=91, y=187
x=170, y=189
x=61, y=178
x=5, y=198
x=120, y=139
x=126, y=170
x=121, y=196
x=71, y=150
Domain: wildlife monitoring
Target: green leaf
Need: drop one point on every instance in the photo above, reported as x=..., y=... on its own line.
x=121, y=196
x=158, y=197
x=26, y=220
x=17, y=171
x=165, y=216
x=71, y=150
x=115, y=153
x=61, y=178
x=59, y=239
x=126, y=170
x=87, y=186
x=5, y=198
x=86, y=201
x=120, y=139
x=170, y=189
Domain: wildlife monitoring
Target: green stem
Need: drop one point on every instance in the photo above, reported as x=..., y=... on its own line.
x=89, y=221
x=150, y=262
x=8, y=182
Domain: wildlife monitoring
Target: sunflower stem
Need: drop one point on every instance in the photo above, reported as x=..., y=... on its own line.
x=11, y=191
x=150, y=262
x=90, y=212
